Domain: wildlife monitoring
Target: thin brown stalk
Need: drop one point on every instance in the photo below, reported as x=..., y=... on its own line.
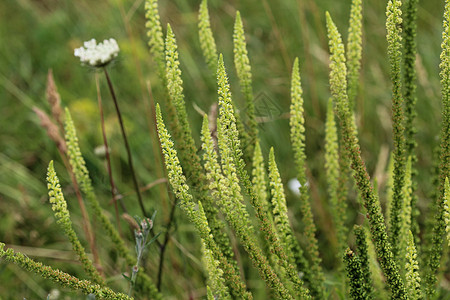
x=54, y=134
x=108, y=157
x=127, y=146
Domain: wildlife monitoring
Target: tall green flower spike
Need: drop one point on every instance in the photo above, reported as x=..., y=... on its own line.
x=82, y=176
x=447, y=209
x=338, y=207
x=244, y=72
x=435, y=254
x=215, y=274
x=207, y=42
x=355, y=276
x=227, y=192
x=175, y=88
x=409, y=84
x=338, y=87
x=393, y=23
x=363, y=254
x=354, y=50
x=186, y=144
x=297, y=122
x=78, y=165
x=59, y=277
x=281, y=219
x=155, y=34
x=412, y=270
x=227, y=121
x=59, y=206
x=197, y=216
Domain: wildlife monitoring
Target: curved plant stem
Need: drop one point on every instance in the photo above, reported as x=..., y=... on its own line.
x=125, y=139
x=108, y=158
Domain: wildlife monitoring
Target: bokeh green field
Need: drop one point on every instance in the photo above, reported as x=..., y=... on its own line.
x=38, y=35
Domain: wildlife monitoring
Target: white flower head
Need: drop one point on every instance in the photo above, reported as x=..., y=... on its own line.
x=97, y=55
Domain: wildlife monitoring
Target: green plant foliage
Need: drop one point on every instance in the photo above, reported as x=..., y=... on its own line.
x=338, y=207
x=434, y=257
x=244, y=72
x=58, y=276
x=82, y=176
x=393, y=23
x=339, y=92
x=363, y=255
x=215, y=274
x=59, y=206
x=409, y=84
x=297, y=122
x=355, y=275
x=155, y=34
x=196, y=216
x=207, y=42
x=231, y=229
x=412, y=269
x=447, y=209
x=354, y=50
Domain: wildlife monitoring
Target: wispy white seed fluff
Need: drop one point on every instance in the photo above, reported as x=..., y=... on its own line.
x=97, y=55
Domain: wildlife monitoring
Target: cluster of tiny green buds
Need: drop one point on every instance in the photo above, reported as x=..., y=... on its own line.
x=447, y=209
x=59, y=206
x=354, y=50
x=412, y=270
x=338, y=88
x=154, y=33
x=82, y=176
x=59, y=277
x=207, y=42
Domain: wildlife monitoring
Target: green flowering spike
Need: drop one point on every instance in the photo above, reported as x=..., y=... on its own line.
x=185, y=141
x=447, y=209
x=393, y=26
x=82, y=176
x=215, y=274
x=363, y=254
x=207, y=42
x=338, y=88
x=62, y=215
x=405, y=218
x=409, y=84
x=225, y=188
x=155, y=34
x=198, y=217
x=354, y=50
x=412, y=270
x=244, y=72
x=281, y=219
x=376, y=272
x=227, y=121
x=186, y=144
x=297, y=123
x=65, y=280
x=338, y=207
x=78, y=165
x=355, y=276
x=436, y=248
x=209, y=294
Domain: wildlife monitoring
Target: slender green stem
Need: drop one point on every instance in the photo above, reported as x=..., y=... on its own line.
x=125, y=139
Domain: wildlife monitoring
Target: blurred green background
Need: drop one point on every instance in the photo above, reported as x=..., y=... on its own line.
x=38, y=35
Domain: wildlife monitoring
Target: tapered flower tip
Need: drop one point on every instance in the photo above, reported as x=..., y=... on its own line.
x=97, y=55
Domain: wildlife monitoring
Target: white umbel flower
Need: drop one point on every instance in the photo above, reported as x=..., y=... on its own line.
x=97, y=55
